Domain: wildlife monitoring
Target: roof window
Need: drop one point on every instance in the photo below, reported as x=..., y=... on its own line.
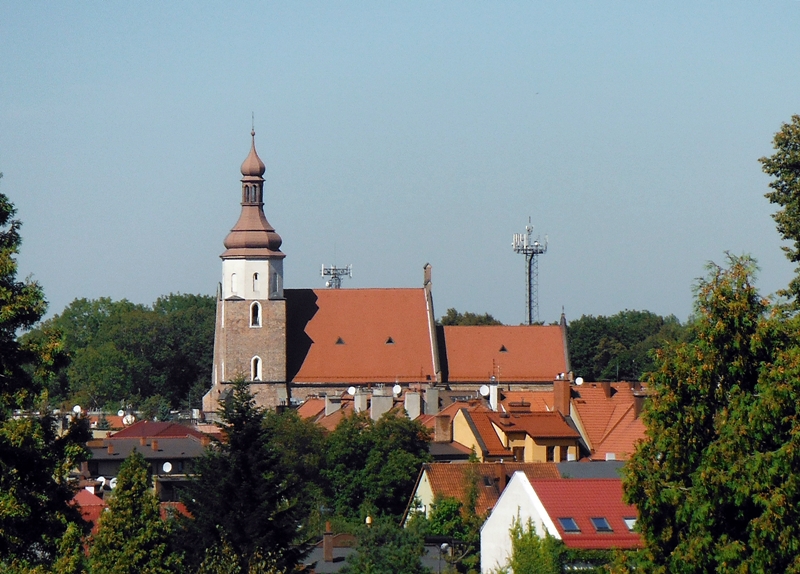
x=503, y=349
x=339, y=341
x=390, y=341
x=601, y=524
x=569, y=525
x=630, y=523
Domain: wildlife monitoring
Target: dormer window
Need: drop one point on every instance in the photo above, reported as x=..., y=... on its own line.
x=340, y=341
x=601, y=524
x=255, y=314
x=503, y=349
x=390, y=341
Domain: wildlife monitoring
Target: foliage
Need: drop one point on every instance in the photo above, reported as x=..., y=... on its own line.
x=35, y=460
x=371, y=467
x=222, y=559
x=453, y=317
x=385, y=547
x=533, y=554
x=784, y=166
x=123, y=352
x=242, y=493
x=131, y=537
x=71, y=556
x=619, y=347
x=716, y=479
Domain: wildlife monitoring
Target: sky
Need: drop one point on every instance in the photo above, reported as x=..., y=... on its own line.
x=397, y=134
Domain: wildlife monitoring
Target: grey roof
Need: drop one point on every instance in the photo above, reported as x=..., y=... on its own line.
x=168, y=448
x=593, y=469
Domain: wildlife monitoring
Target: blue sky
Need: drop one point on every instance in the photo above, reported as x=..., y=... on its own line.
x=397, y=134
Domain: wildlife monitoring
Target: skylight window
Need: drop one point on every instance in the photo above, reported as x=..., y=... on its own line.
x=569, y=525
x=601, y=524
x=630, y=523
x=340, y=341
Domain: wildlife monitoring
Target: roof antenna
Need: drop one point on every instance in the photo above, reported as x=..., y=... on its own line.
x=253, y=121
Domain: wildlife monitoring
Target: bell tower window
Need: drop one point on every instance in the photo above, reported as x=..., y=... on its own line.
x=233, y=282
x=255, y=314
x=255, y=282
x=255, y=369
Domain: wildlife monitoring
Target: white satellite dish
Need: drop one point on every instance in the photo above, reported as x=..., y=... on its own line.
x=397, y=389
x=113, y=483
x=128, y=420
x=351, y=391
x=102, y=481
x=484, y=390
x=77, y=409
x=579, y=381
x=120, y=413
x=167, y=466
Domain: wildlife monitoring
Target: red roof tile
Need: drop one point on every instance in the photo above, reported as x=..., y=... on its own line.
x=535, y=425
x=582, y=500
x=533, y=401
x=609, y=423
x=358, y=336
x=91, y=507
x=149, y=429
x=480, y=420
x=511, y=354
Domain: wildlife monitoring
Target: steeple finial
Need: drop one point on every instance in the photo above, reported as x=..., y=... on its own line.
x=253, y=166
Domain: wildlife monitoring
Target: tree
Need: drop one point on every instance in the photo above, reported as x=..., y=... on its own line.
x=131, y=536
x=716, y=480
x=784, y=166
x=533, y=554
x=34, y=460
x=385, y=547
x=242, y=493
x=453, y=317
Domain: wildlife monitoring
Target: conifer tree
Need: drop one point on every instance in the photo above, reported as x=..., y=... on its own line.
x=132, y=537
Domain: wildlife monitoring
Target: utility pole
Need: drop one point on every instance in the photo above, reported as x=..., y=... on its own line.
x=531, y=248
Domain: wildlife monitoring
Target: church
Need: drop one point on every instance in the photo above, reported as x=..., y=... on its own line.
x=292, y=344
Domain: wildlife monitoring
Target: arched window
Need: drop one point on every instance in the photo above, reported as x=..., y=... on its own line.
x=274, y=286
x=255, y=369
x=255, y=282
x=255, y=314
x=233, y=282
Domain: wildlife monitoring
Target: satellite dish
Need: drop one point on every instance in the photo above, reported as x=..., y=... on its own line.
x=120, y=413
x=351, y=391
x=579, y=381
x=167, y=466
x=397, y=389
x=113, y=483
x=128, y=420
x=102, y=481
x=484, y=390
x=77, y=409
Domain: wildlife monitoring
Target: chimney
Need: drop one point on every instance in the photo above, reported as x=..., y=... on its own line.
x=332, y=405
x=638, y=403
x=327, y=543
x=561, y=395
x=154, y=445
x=205, y=440
x=606, y=388
x=360, y=401
x=142, y=441
x=442, y=429
x=413, y=405
x=432, y=401
x=494, y=397
x=110, y=448
x=381, y=403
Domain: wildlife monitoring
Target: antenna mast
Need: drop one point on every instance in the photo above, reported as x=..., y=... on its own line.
x=531, y=249
x=336, y=274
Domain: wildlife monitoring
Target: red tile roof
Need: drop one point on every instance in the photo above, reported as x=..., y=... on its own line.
x=479, y=419
x=511, y=354
x=533, y=401
x=582, y=500
x=149, y=429
x=91, y=507
x=535, y=425
x=609, y=423
x=358, y=336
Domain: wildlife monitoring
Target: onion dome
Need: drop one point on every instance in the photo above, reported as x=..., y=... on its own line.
x=253, y=166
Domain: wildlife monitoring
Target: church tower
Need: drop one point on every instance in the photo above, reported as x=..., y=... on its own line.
x=250, y=334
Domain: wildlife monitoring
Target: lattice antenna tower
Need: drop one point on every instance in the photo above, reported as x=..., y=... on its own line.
x=336, y=273
x=531, y=248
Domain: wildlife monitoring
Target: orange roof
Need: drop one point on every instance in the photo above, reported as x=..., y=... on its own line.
x=532, y=401
x=481, y=423
x=311, y=408
x=535, y=425
x=114, y=421
x=609, y=423
x=150, y=429
x=450, y=480
x=358, y=336
x=510, y=354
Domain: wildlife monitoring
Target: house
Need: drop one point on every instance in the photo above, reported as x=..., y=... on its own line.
x=585, y=514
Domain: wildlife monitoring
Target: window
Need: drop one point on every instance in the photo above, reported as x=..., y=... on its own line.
x=551, y=454
x=562, y=454
x=275, y=288
x=255, y=369
x=390, y=341
x=233, y=282
x=255, y=282
x=601, y=524
x=255, y=314
x=340, y=341
x=630, y=523
x=569, y=525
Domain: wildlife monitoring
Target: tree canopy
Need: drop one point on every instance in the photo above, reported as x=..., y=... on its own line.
x=453, y=317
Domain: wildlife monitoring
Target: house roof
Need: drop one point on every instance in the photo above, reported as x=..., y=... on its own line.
x=358, y=336
x=529, y=400
x=583, y=500
x=168, y=448
x=535, y=425
x=479, y=421
x=150, y=429
x=524, y=353
x=90, y=506
x=610, y=423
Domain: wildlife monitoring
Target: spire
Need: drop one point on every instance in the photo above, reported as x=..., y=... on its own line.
x=253, y=236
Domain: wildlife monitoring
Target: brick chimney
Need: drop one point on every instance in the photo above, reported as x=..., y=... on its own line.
x=154, y=445
x=110, y=448
x=327, y=543
x=561, y=395
x=606, y=388
x=638, y=402
x=442, y=429
x=142, y=441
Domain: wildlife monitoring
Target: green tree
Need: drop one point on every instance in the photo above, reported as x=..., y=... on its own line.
x=35, y=460
x=242, y=493
x=784, y=167
x=131, y=536
x=533, y=554
x=386, y=547
x=453, y=317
